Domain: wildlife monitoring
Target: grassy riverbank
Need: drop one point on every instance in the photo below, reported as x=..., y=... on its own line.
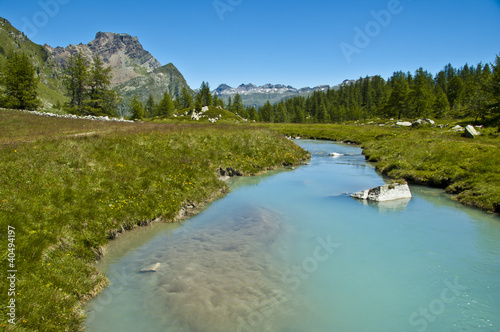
x=467, y=168
x=67, y=186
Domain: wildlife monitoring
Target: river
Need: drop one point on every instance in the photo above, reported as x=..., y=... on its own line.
x=290, y=251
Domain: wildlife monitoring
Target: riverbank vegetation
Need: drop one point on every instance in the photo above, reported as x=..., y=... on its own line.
x=67, y=186
x=425, y=155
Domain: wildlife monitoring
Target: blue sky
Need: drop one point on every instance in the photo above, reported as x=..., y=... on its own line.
x=298, y=43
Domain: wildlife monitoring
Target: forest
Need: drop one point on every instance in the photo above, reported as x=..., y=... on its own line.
x=466, y=92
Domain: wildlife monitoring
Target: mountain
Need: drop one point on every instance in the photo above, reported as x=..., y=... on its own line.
x=123, y=53
x=135, y=71
x=50, y=89
x=259, y=95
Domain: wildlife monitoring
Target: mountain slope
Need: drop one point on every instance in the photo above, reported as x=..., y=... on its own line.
x=135, y=71
x=51, y=90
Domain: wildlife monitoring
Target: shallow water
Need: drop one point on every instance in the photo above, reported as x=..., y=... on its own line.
x=289, y=251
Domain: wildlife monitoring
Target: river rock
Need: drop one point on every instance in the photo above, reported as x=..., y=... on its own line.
x=151, y=268
x=335, y=154
x=471, y=132
x=384, y=193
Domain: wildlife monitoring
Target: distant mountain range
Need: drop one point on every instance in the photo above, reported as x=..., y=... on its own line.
x=259, y=95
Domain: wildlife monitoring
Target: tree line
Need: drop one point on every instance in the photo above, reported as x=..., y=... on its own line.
x=188, y=102
x=469, y=91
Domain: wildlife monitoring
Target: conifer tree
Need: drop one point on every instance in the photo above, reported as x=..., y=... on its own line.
x=76, y=79
x=136, y=109
x=421, y=98
x=165, y=106
x=238, y=106
x=441, y=105
x=102, y=100
x=455, y=92
x=150, y=107
x=494, y=89
x=266, y=112
x=21, y=83
x=186, y=100
x=205, y=94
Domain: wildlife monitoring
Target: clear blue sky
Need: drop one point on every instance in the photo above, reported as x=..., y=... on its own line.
x=289, y=42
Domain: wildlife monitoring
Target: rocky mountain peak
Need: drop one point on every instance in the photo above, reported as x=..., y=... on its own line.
x=120, y=51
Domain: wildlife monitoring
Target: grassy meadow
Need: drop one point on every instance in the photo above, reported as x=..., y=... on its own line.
x=68, y=186
x=467, y=168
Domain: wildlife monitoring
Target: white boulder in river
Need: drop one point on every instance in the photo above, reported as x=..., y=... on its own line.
x=384, y=193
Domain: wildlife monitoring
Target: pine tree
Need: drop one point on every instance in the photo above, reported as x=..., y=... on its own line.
x=102, y=100
x=421, y=98
x=266, y=112
x=150, y=107
x=441, y=105
x=165, y=106
x=21, y=83
x=76, y=79
x=136, y=109
x=206, y=96
x=238, y=106
x=186, y=100
x=455, y=92
x=397, y=104
x=493, y=88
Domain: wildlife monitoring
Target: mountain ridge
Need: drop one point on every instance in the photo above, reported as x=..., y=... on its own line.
x=252, y=94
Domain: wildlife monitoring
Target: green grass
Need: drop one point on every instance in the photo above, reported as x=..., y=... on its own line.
x=466, y=168
x=67, y=195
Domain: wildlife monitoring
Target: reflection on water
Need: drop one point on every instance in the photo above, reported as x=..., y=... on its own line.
x=252, y=260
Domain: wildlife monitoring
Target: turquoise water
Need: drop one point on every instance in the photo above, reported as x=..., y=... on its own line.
x=290, y=251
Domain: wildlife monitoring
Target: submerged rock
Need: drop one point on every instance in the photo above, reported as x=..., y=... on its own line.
x=151, y=268
x=384, y=193
x=335, y=154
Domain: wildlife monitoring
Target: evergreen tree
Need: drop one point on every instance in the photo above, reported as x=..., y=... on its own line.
x=493, y=87
x=186, y=100
x=76, y=79
x=252, y=113
x=102, y=100
x=397, y=104
x=21, y=83
x=266, y=112
x=165, y=106
x=323, y=116
x=421, y=98
x=441, y=104
x=238, y=106
x=136, y=109
x=150, y=107
x=455, y=92
x=205, y=95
